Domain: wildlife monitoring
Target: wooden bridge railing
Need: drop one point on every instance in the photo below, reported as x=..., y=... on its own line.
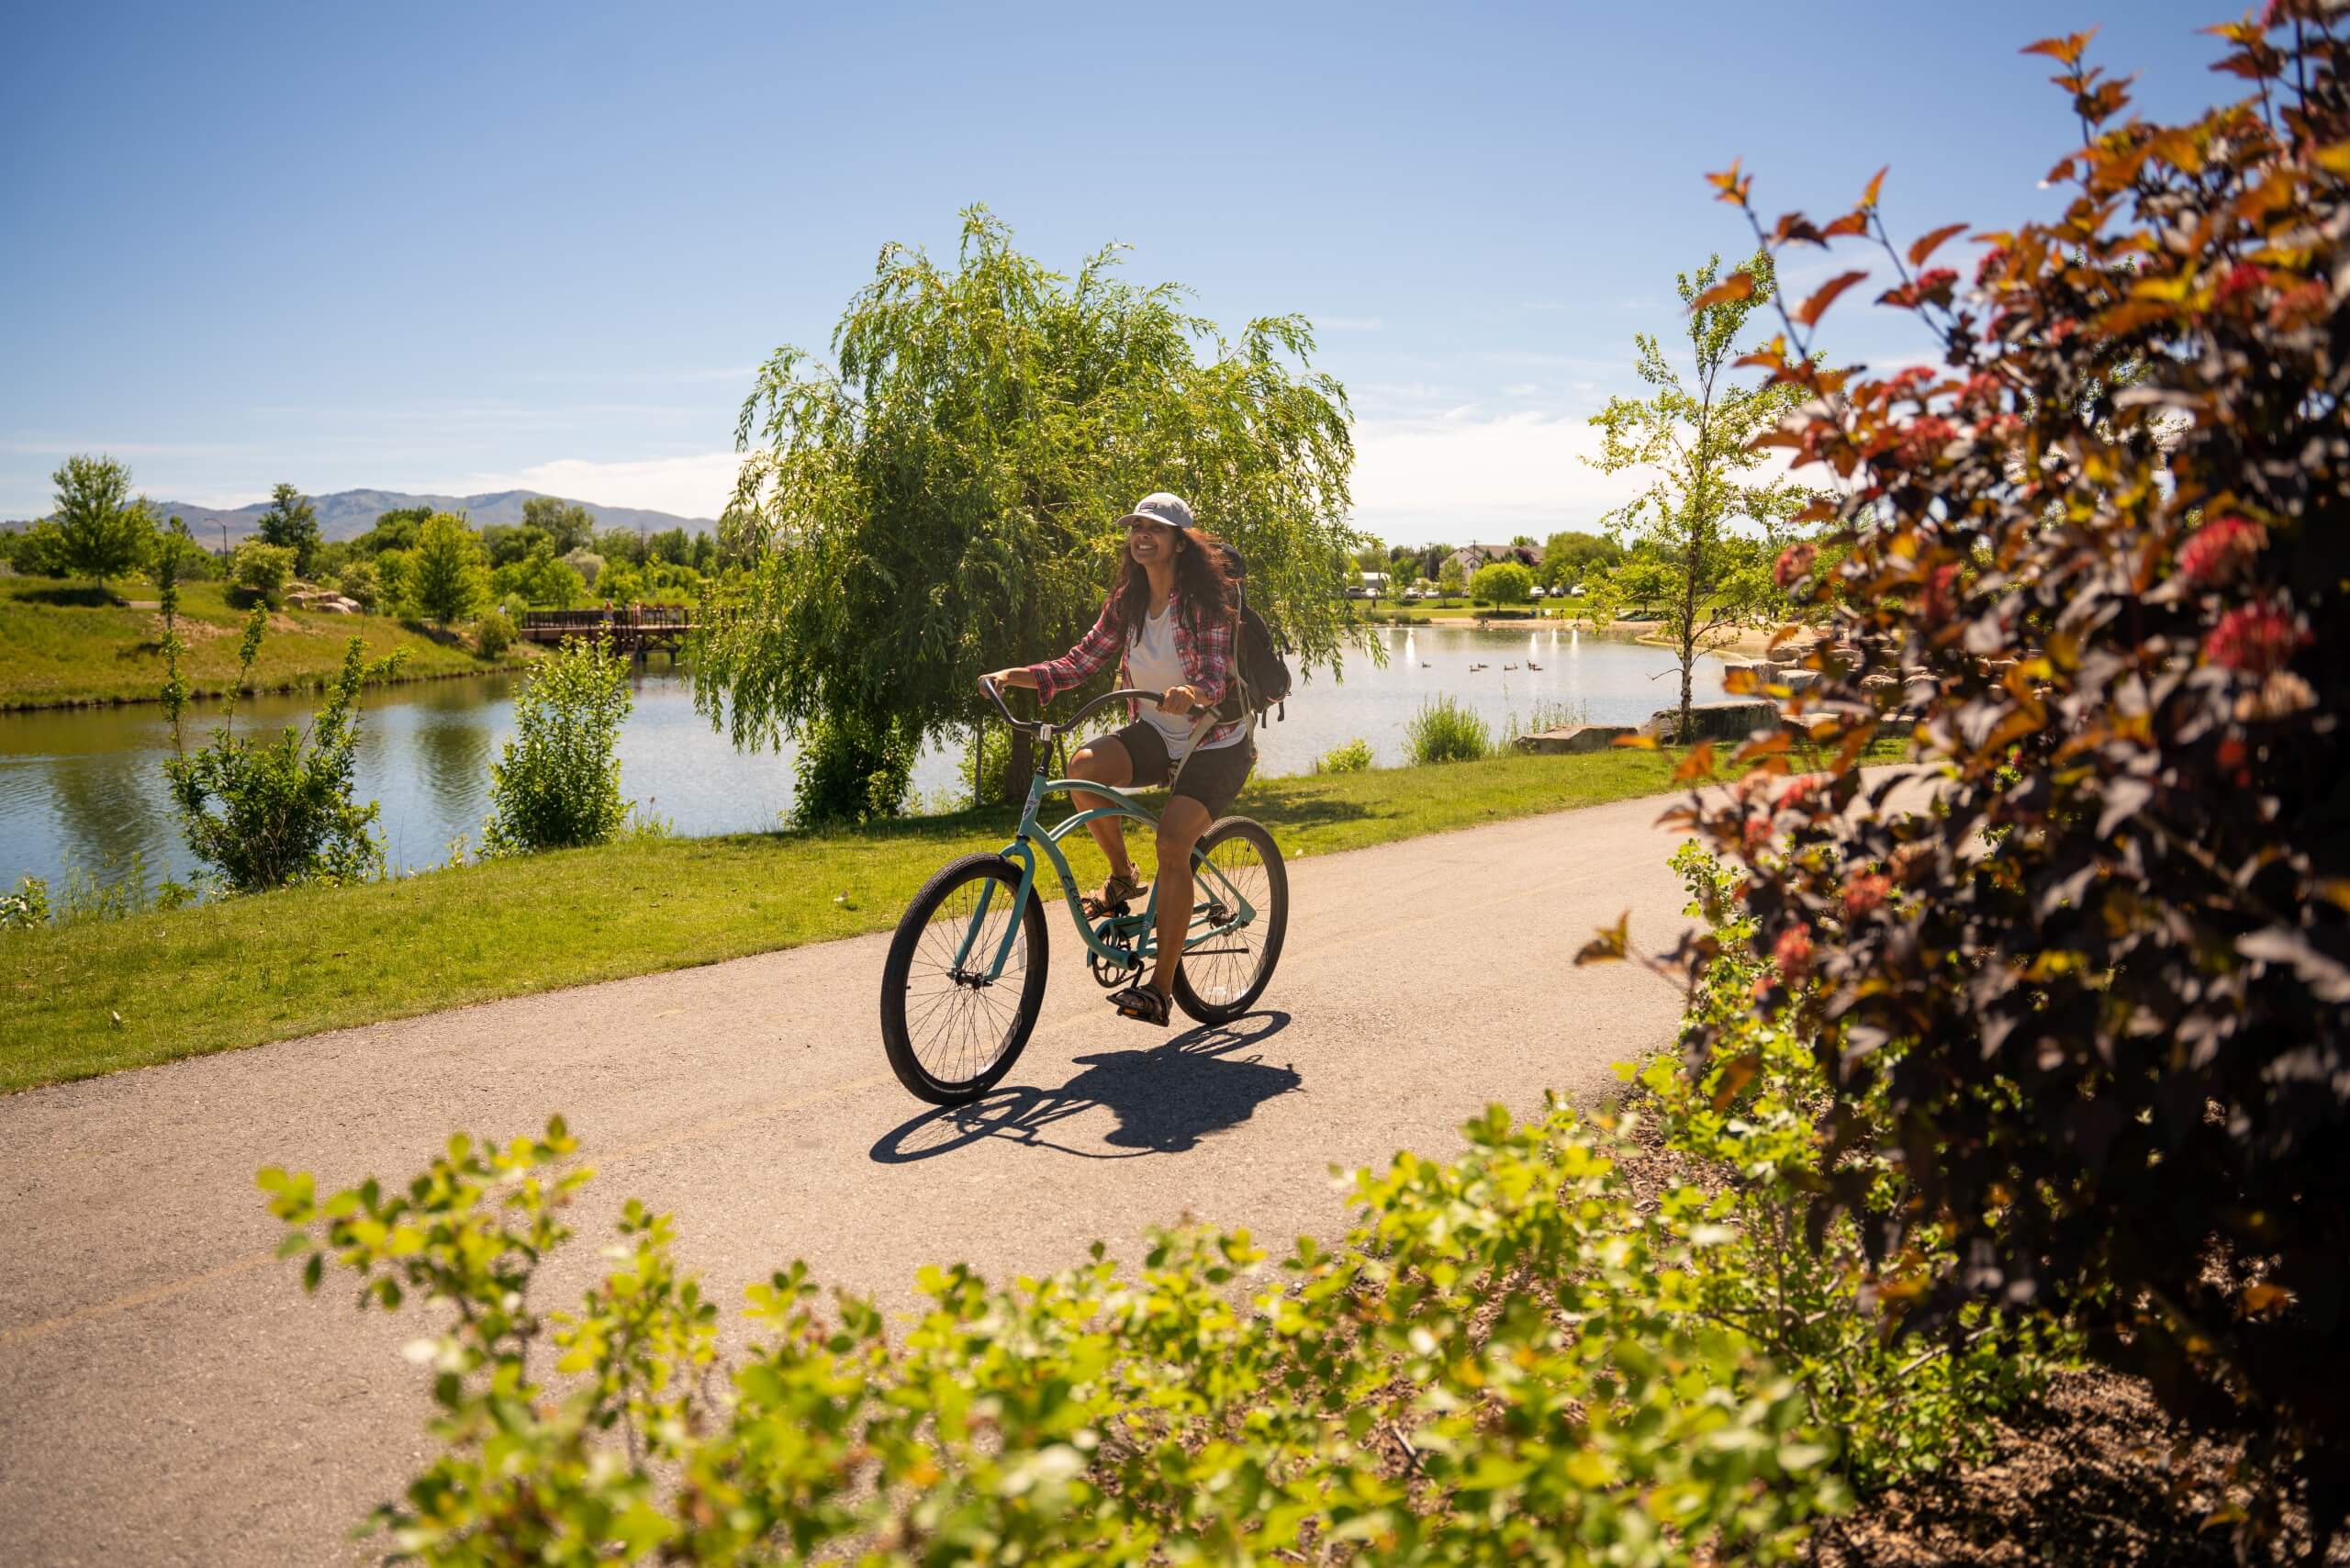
x=648, y=617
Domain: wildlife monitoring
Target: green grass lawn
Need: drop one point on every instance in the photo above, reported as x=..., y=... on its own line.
x=242, y=972
x=62, y=644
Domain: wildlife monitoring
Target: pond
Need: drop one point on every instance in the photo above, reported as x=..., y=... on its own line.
x=82, y=789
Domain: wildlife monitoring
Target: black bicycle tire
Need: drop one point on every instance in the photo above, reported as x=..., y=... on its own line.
x=895, y=1039
x=1276, y=923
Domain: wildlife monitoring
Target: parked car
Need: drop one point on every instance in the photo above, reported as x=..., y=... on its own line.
x=1541, y=592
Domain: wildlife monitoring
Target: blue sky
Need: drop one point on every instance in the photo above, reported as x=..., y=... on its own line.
x=475, y=247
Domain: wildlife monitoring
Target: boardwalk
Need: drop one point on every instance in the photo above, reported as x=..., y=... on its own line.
x=635, y=630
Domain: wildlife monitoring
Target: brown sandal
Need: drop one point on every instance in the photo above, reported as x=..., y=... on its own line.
x=1112, y=898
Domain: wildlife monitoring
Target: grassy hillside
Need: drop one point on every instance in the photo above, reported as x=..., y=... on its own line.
x=61, y=643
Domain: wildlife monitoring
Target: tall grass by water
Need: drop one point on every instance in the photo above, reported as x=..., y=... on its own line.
x=1446, y=729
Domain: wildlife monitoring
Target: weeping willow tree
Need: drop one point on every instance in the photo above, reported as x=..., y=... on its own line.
x=941, y=504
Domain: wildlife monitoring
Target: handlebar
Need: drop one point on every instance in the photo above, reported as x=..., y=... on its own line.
x=1034, y=725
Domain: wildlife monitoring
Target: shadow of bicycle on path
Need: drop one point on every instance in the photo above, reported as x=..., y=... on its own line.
x=1166, y=1099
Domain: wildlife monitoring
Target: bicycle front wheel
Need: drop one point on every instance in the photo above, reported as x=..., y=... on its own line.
x=951, y=1031
x=1222, y=977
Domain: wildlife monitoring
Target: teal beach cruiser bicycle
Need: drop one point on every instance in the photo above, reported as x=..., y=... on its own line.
x=965, y=978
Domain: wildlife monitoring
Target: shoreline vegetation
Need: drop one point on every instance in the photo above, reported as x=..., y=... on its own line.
x=101, y=995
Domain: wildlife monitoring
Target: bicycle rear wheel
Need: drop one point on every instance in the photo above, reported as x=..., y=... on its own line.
x=950, y=1032
x=1222, y=979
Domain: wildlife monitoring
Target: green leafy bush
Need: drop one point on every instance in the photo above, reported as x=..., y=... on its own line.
x=1502, y=1360
x=2099, y=989
x=266, y=815
x=26, y=906
x=1352, y=757
x=494, y=633
x=557, y=784
x=1446, y=729
x=258, y=574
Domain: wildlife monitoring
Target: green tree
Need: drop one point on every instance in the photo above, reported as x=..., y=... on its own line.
x=620, y=545
x=567, y=525
x=1696, y=435
x=1448, y=579
x=100, y=532
x=446, y=579
x=291, y=523
x=394, y=529
x=941, y=505
x=1570, y=556
x=542, y=581
x=1501, y=582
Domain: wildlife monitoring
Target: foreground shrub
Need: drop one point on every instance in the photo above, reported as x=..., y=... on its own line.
x=1754, y=1111
x=1352, y=757
x=2100, y=991
x=1503, y=1362
x=264, y=814
x=557, y=783
x=1446, y=729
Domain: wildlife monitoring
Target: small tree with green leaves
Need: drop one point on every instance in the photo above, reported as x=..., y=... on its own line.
x=567, y=525
x=447, y=575
x=291, y=523
x=265, y=815
x=258, y=574
x=1450, y=580
x=1707, y=528
x=558, y=785
x=100, y=531
x=1501, y=582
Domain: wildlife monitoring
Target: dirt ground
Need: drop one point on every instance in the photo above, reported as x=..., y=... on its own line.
x=2094, y=1478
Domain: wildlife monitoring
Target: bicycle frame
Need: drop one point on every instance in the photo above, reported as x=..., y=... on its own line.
x=1028, y=840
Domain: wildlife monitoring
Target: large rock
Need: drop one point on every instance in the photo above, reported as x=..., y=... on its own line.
x=1573, y=738
x=1730, y=720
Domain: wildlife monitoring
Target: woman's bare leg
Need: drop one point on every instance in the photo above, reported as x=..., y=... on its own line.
x=1104, y=761
x=1179, y=827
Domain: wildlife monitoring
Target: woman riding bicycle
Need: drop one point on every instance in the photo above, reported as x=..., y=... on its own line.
x=1170, y=619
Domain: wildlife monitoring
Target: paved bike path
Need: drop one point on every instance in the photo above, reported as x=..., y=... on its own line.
x=169, y=1395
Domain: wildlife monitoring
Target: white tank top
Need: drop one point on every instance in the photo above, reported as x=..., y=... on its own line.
x=1153, y=664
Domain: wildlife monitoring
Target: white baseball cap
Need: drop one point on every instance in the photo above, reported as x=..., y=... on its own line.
x=1160, y=506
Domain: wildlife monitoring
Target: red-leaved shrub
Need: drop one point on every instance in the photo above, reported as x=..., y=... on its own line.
x=2095, y=1000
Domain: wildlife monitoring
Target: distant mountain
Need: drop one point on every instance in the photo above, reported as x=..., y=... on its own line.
x=347, y=514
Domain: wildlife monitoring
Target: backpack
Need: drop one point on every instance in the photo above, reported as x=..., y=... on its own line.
x=1264, y=673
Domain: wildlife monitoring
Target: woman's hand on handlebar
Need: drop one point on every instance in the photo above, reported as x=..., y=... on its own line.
x=1179, y=700
x=1018, y=676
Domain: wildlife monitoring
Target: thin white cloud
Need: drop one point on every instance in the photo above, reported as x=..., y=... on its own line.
x=699, y=485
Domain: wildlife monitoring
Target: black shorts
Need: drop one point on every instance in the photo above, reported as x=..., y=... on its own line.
x=1211, y=778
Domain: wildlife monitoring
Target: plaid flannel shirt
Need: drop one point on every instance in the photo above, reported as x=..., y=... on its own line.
x=1207, y=653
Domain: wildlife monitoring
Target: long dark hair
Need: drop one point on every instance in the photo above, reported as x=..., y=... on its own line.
x=1203, y=580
